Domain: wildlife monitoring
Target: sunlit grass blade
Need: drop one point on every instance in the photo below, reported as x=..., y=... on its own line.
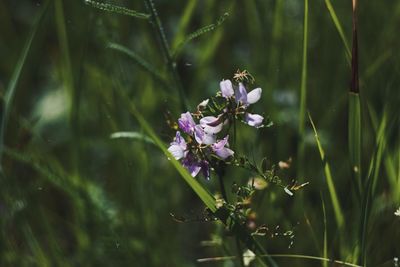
x=339, y=28
x=331, y=186
x=132, y=135
x=199, y=33
x=12, y=84
x=117, y=9
x=141, y=62
x=303, y=91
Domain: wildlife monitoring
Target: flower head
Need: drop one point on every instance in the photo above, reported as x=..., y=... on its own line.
x=397, y=212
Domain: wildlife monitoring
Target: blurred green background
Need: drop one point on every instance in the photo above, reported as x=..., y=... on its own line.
x=71, y=196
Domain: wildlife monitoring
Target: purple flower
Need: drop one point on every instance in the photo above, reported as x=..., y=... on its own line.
x=211, y=124
x=220, y=150
x=186, y=123
x=178, y=147
x=247, y=98
x=194, y=166
x=202, y=137
x=226, y=88
x=254, y=120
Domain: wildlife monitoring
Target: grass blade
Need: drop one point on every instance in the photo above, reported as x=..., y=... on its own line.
x=132, y=135
x=117, y=9
x=331, y=186
x=199, y=33
x=338, y=28
x=12, y=85
x=162, y=39
x=354, y=120
x=140, y=62
x=303, y=90
x=325, y=249
x=184, y=23
x=354, y=126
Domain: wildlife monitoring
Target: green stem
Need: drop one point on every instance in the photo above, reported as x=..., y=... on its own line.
x=172, y=66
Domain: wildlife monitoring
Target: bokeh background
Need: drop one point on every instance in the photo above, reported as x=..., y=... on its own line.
x=72, y=196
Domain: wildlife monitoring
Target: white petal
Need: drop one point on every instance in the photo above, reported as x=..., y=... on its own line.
x=213, y=130
x=254, y=96
x=254, y=120
x=209, y=139
x=224, y=153
x=176, y=151
x=226, y=88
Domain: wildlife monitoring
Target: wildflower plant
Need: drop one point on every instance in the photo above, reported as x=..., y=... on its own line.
x=204, y=144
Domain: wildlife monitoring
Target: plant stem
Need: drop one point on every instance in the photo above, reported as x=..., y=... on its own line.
x=172, y=66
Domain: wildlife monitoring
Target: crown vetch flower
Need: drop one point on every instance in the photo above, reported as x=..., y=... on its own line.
x=186, y=123
x=245, y=98
x=202, y=137
x=226, y=88
x=254, y=120
x=221, y=149
x=211, y=124
x=178, y=148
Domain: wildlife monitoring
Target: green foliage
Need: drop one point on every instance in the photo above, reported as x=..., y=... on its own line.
x=88, y=105
x=116, y=9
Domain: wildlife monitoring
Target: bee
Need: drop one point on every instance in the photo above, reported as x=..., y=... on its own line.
x=243, y=76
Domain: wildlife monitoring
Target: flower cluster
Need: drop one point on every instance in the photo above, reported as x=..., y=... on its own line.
x=198, y=145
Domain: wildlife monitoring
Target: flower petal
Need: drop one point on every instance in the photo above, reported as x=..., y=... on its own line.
x=179, y=140
x=176, y=151
x=211, y=124
x=241, y=94
x=226, y=88
x=224, y=152
x=186, y=123
x=254, y=96
x=203, y=137
x=221, y=143
x=254, y=120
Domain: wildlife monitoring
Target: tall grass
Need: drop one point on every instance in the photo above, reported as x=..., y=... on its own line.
x=71, y=195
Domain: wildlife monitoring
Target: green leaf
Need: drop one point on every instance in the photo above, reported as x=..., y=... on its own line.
x=117, y=9
x=199, y=33
x=339, y=28
x=331, y=186
x=146, y=66
x=132, y=135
